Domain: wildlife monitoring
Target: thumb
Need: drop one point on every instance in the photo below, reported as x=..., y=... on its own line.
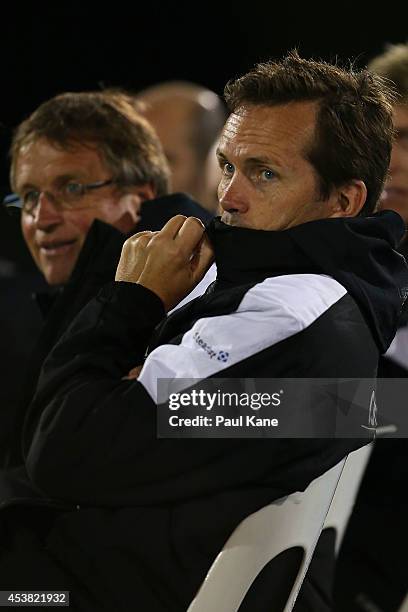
x=203, y=258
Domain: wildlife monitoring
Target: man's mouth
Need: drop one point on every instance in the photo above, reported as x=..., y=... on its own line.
x=56, y=247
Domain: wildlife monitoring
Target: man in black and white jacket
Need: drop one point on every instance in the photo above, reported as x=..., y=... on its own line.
x=308, y=286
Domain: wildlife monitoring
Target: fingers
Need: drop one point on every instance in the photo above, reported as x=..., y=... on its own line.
x=188, y=230
x=134, y=373
x=203, y=258
x=169, y=262
x=133, y=257
x=139, y=241
x=184, y=232
x=190, y=234
x=144, y=233
x=140, y=238
x=172, y=227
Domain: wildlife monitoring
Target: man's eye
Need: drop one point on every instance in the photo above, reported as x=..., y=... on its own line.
x=30, y=197
x=72, y=189
x=267, y=175
x=228, y=169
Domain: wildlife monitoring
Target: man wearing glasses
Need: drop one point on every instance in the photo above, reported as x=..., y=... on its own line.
x=81, y=158
x=307, y=286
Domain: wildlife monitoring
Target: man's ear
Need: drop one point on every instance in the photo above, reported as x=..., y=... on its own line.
x=145, y=192
x=349, y=199
x=130, y=203
x=132, y=200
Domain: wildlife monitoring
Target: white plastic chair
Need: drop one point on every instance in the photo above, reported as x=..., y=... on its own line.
x=346, y=492
x=295, y=520
x=404, y=606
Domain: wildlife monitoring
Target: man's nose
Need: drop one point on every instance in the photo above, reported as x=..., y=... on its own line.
x=234, y=196
x=46, y=213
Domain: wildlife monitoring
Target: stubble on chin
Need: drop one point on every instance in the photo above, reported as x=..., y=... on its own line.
x=232, y=219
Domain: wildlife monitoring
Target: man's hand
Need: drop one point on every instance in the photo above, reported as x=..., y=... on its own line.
x=170, y=262
x=134, y=373
x=133, y=257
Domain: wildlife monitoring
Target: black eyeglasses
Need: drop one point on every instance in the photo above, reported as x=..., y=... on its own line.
x=67, y=197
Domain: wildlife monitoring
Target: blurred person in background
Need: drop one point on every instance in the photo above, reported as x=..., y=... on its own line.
x=188, y=119
x=393, y=65
x=372, y=569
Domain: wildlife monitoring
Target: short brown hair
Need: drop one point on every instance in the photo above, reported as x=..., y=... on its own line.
x=393, y=65
x=108, y=120
x=353, y=136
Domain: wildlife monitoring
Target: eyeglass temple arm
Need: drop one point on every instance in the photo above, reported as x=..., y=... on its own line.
x=12, y=200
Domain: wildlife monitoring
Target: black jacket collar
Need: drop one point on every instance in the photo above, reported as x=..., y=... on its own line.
x=358, y=252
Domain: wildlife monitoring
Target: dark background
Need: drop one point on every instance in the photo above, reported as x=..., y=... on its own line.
x=82, y=48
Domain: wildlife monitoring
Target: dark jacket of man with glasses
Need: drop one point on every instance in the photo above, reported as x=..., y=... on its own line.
x=80, y=158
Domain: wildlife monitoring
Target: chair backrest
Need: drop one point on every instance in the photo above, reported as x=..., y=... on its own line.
x=346, y=492
x=295, y=520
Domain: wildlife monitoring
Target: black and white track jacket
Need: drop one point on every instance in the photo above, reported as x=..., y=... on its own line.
x=318, y=300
